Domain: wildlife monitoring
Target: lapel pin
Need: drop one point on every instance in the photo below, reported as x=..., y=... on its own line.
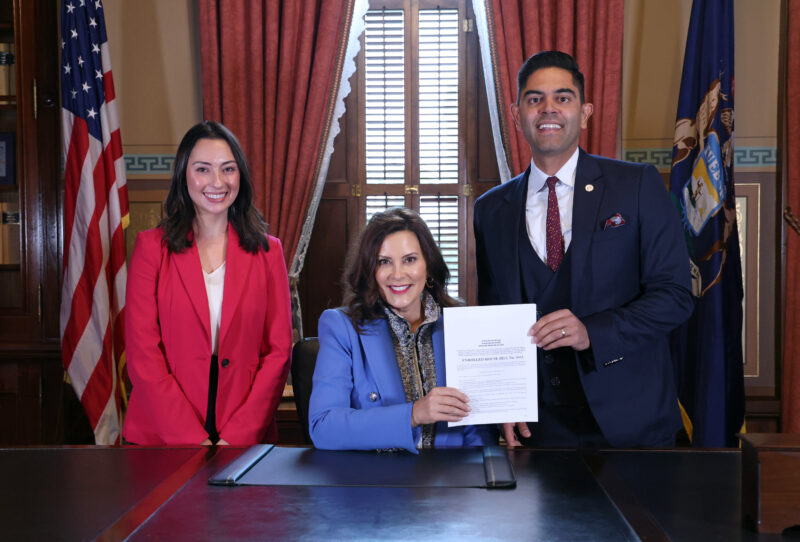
x=589, y=187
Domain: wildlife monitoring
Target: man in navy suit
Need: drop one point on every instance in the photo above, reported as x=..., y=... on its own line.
x=597, y=245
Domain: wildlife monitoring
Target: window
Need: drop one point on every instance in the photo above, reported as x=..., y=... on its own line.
x=415, y=133
x=412, y=120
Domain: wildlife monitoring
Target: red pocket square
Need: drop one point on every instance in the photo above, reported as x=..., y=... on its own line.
x=614, y=222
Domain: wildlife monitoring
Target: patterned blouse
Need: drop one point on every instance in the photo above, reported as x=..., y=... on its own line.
x=414, y=352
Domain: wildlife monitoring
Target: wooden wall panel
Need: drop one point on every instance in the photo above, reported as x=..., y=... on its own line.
x=37, y=406
x=319, y=282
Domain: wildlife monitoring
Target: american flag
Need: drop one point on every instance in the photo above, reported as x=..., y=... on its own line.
x=95, y=215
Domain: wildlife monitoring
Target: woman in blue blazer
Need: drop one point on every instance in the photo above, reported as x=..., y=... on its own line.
x=379, y=381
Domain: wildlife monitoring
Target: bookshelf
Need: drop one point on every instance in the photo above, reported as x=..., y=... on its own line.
x=9, y=192
x=31, y=377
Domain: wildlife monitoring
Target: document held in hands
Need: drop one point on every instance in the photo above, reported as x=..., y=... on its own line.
x=490, y=357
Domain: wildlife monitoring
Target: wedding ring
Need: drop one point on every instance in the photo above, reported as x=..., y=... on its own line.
x=563, y=332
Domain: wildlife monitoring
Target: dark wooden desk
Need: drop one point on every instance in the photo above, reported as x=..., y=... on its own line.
x=147, y=493
x=77, y=493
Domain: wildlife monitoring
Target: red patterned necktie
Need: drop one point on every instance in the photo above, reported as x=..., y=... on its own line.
x=555, y=241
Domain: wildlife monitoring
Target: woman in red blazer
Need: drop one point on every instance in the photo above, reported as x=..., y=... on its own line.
x=208, y=319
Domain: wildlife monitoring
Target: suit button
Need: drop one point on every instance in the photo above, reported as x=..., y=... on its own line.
x=225, y=362
x=373, y=396
x=555, y=381
x=548, y=358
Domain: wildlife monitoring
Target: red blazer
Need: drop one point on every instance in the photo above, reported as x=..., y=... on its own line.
x=168, y=341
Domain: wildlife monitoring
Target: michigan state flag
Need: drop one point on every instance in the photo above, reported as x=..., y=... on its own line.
x=708, y=349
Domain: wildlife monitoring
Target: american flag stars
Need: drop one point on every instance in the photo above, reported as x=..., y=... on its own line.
x=82, y=60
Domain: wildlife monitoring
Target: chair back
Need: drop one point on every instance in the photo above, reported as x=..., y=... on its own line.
x=304, y=359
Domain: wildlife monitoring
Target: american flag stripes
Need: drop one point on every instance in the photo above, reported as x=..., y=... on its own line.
x=95, y=215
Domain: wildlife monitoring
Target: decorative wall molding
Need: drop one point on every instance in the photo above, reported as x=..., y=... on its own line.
x=660, y=158
x=743, y=157
x=755, y=157
x=148, y=164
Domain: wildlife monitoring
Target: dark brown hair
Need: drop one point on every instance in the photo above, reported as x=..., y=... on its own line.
x=361, y=293
x=179, y=208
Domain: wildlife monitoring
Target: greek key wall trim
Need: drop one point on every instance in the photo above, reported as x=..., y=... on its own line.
x=148, y=164
x=743, y=157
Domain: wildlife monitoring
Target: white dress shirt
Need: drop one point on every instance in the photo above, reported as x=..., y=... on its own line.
x=536, y=204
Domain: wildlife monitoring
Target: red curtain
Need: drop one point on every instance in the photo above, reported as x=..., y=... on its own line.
x=270, y=74
x=589, y=30
x=791, y=148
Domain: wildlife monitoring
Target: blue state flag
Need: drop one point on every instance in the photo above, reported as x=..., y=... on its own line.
x=708, y=349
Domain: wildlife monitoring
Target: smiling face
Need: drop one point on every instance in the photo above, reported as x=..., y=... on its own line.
x=212, y=177
x=550, y=116
x=401, y=272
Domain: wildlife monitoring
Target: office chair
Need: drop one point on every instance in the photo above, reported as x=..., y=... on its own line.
x=304, y=359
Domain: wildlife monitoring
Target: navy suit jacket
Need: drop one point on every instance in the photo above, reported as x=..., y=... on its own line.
x=357, y=397
x=630, y=287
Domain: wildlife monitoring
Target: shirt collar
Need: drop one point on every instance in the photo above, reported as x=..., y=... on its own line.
x=538, y=178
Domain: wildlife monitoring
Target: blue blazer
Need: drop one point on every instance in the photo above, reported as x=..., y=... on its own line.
x=631, y=286
x=357, y=398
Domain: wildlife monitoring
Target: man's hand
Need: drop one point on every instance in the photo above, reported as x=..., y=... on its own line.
x=511, y=437
x=440, y=405
x=560, y=328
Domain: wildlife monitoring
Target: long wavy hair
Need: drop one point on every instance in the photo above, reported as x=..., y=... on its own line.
x=361, y=292
x=179, y=209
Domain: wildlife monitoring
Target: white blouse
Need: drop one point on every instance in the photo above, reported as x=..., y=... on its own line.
x=214, y=285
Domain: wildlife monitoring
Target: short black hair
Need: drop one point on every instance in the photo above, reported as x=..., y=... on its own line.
x=550, y=59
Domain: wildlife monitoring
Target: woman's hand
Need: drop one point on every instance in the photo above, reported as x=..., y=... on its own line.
x=440, y=405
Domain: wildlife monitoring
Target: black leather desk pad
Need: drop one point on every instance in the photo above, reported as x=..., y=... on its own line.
x=461, y=467
x=556, y=499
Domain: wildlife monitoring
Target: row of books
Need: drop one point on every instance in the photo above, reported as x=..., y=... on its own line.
x=7, y=70
x=9, y=233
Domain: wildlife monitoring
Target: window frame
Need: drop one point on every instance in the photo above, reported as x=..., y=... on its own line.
x=412, y=190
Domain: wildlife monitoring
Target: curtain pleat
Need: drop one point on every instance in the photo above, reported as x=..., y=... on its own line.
x=791, y=147
x=270, y=73
x=590, y=30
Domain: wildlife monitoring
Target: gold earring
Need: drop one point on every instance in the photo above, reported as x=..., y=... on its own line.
x=429, y=282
